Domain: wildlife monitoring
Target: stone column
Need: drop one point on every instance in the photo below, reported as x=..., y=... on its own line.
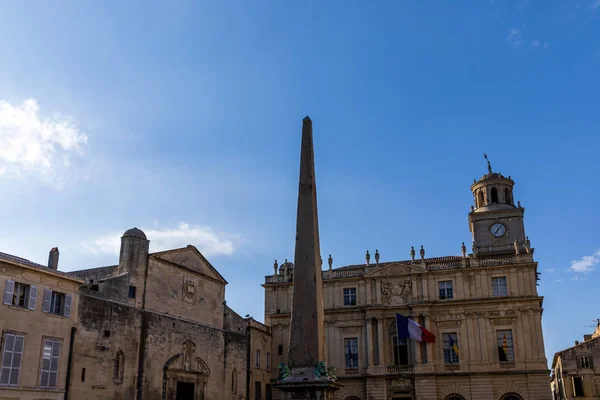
x=380, y=330
x=370, y=341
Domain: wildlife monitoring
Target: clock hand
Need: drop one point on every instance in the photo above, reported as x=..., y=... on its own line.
x=498, y=230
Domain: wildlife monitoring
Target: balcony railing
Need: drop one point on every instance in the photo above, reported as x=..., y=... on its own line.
x=351, y=371
x=400, y=369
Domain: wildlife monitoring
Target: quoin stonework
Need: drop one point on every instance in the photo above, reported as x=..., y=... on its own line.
x=482, y=306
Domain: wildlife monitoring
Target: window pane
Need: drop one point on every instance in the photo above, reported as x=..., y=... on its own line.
x=56, y=349
x=46, y=364
x=52, y=379
x=10, y=342
x=14, y=377
x=19, y=344
x=44, y=379
x=16, y=360
x=6, y=359
x=54, y=364
x=4, y=376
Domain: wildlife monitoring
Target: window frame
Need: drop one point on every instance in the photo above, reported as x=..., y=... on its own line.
x=351, y=360
x=11, y=368
x=448, y=291
x=450, y=357
x=510, y=345
x=498, y=286
x=49, y=370
x=350, y=296
x=257, y=361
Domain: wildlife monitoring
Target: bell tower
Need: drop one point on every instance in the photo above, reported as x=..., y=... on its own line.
x=495, y=222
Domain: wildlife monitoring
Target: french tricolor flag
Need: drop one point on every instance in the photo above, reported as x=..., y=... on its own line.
x=409, y=329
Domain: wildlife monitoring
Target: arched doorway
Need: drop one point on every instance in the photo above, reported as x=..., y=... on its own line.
x=454, y=396
x=511, y=396
x=185, y=375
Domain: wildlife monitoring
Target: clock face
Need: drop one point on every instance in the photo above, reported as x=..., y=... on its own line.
x=498, y=230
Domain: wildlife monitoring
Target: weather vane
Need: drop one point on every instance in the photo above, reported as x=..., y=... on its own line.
x=488, y=161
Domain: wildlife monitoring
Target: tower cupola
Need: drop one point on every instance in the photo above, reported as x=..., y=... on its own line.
x=493, y=191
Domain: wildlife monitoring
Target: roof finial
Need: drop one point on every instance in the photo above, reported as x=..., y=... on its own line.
x=488, y=162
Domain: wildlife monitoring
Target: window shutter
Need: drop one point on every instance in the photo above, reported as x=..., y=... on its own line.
x=47, y=300
x=9, y=289
x=32, y=297
x=67, y=312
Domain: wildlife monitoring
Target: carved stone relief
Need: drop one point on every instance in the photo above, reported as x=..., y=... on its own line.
x=396, y=291
x=402, y=383
x=189, y=290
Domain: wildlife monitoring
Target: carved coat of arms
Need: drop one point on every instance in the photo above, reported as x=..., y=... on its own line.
x=396, y=291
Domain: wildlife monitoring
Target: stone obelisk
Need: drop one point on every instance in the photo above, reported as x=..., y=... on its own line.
x=306, y=375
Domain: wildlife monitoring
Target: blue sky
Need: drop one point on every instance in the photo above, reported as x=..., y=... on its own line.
x=183, y=119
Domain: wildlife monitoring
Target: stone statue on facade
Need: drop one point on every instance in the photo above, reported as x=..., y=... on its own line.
x=463, y=250
x=516, y=244
x=412, y=253
x=368, y=257
x=376, y=256
x=330, y=262
x=422, y=252
x=275, y=267
x=527, y=245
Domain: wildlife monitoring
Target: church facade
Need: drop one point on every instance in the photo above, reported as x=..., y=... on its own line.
x=482, y=306
x=156, y=327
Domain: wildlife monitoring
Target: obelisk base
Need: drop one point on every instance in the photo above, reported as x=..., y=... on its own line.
x=303, y=383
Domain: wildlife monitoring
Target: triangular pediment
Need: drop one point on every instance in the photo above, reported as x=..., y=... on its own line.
x=190, y=258
x=392, y=269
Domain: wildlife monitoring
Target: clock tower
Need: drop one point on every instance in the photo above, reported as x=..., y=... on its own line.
x=495, y=222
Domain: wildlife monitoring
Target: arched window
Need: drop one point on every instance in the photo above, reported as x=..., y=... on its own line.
x=494, y=195
x=480, y=202
x=234, y=380
x=511, y=396
x=118, y=367
x=507, y=196
x=399, y=347
x=454, y=396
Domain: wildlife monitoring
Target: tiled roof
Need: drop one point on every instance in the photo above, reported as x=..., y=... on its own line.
x=24, y=261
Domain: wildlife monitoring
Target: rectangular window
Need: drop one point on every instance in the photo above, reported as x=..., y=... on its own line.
x=279, y=349
x=257, y=391
x=19, y=295
x=577, y=386
x=57, y=303
x=11, y=359
x=400, y=351
x=257, y=358
x=445, y=290
x=268, y=361
x=351, y=351
x=350, y=296
x=269, y=391
x=50, y=359
x=499, y=286
x=132, y=292
x=504, y=341
x=585, y=362
x=82, y=374
x=450, y=343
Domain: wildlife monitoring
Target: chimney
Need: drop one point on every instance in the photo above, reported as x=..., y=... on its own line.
x=53, y=258
x=587, y=337
x=576, y=342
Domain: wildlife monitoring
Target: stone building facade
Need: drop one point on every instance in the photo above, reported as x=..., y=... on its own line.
x=483, y=307
x=37, y=321
x=156, y=326
x=576, y=370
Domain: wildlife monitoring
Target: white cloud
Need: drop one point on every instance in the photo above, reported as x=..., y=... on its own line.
x=205, y=239
x=30, y=143
x=586, y=263
x=536, y=43
x=558, y=280
x=595, y=4
x=546, y=43
x=578, y=278
x=514, y=36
